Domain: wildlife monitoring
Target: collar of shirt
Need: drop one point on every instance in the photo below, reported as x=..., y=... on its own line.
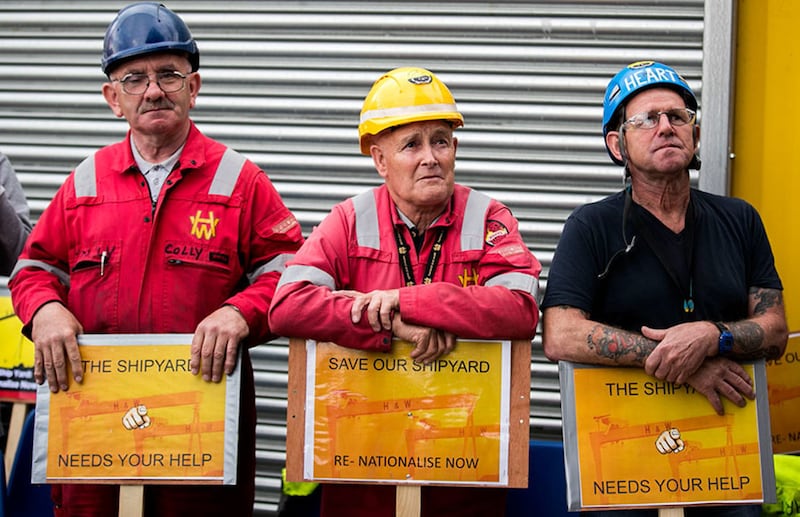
x=146, y=167
x=419, y=237
x=155, y=173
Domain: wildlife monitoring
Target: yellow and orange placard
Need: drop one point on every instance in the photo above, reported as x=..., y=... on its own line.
x=783, y=380
x=16, y=355
x=382, y=418
x=618, y=420
x=138, y=416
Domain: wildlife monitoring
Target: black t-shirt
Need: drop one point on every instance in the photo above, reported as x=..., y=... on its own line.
x=731, y=254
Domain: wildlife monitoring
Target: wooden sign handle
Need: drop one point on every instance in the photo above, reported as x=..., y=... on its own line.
x=408, y=501
x=14, y=434
x=131, y=500
x=670, y=512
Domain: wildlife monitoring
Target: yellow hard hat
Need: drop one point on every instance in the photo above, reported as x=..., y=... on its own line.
x=402, y=96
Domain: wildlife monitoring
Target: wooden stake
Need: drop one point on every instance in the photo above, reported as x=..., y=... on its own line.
x=670, y=512
x=18, y=411
x=408, y=501
x=131, y=500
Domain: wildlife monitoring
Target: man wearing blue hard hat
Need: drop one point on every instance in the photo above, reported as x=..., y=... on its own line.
x=661, y=275
x=167, y=231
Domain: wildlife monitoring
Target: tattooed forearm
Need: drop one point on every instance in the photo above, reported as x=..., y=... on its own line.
x=615, y=344
x=748, y=338
x=765, y=299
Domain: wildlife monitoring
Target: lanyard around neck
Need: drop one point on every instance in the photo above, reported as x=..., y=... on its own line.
x=405, y=260
x=688, y=250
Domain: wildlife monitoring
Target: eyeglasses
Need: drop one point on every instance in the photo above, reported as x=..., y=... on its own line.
x=650, y=119
x=136, y=84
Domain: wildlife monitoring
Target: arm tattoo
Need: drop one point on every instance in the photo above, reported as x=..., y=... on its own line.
x=767, y=298
x=749, y=342
x=615, y=344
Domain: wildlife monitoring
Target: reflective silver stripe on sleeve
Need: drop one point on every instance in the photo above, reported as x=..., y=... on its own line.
x=367, y=233
x=306, y=274
x=517, y=281
x=62, y=275
x=230, y=166
x=85, y=182
x=277, y=264
x=472, y=237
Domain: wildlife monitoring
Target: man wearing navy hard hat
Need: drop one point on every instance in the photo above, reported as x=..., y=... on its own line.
x=660, y=275
x=167, y=231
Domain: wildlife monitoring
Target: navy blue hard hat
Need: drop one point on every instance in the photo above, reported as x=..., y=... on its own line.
x=633, y=79
x=145, y=28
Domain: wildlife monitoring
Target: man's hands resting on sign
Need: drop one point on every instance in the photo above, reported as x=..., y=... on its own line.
x=681, y=350
x=685, y=355
x=722, y=377
x=383, y=313
x=55, y=331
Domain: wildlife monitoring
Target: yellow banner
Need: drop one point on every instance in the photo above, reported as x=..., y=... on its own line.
x=645, y=442
x=16, y=355
x=783, y=380
x=380, y=416
x=139, y=414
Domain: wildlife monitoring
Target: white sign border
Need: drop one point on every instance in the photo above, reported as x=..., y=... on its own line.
x=231, y=439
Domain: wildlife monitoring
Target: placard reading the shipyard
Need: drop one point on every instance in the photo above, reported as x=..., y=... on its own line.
x=783, y=379
x=634, y=441
x=16, y=355
x=375, y=416
x=139, y=414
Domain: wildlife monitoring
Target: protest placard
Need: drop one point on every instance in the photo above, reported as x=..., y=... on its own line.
x=139, y=416
x=631, y=440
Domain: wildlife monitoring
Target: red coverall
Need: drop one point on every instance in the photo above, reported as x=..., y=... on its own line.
x=218, y=234
x=485, y=286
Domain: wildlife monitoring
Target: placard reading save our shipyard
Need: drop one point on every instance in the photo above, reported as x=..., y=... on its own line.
x=783, y=380
x=380, y=417
x=139, y=415
x=16, y=355
x=631, y=440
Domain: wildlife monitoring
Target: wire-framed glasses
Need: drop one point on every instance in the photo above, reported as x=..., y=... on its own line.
x=136, y=84
x=650, y=119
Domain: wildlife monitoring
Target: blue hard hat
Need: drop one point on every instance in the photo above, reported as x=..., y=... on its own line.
x=633, y=79
x=144, y=28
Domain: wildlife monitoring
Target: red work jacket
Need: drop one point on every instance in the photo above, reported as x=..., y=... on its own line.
x=484, y=286
x=218, y=234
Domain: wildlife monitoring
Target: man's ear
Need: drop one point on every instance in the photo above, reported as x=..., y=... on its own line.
x=379, y=159
x=112, y=98
x=612, y=141
x=696, y=134
x=194, y=83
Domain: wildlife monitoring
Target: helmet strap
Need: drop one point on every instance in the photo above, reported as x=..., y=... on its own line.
x=695, y=163
x=623, y=152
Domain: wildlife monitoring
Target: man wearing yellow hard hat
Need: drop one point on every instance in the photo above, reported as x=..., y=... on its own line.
x=420, y=258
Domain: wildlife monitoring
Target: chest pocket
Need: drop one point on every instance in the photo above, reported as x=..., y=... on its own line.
x=95, y=275
x=199, y=256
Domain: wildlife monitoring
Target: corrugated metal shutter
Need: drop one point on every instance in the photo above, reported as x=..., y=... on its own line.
x=284, y=81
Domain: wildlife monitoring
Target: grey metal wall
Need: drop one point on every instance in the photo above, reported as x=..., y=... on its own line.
x=283, y=83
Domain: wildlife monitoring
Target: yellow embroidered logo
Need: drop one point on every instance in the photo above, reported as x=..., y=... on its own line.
x=204, y=228
x=469, y=278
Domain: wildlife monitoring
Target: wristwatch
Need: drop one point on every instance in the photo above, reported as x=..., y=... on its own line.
x=725, y=339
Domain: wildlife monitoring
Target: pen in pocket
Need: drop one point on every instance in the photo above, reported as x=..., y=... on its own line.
x=103, y=257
